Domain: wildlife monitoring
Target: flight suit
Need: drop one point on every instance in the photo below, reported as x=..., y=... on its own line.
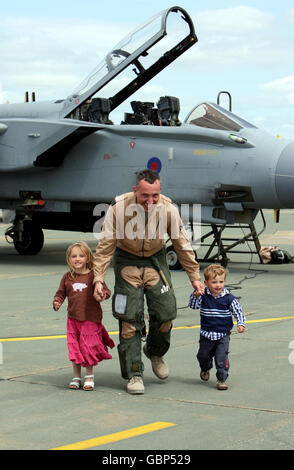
x=136, y=240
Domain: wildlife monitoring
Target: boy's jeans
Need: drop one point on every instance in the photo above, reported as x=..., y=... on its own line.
x=217, y=349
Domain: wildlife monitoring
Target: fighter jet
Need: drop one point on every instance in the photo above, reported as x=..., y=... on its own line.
x=61, y=158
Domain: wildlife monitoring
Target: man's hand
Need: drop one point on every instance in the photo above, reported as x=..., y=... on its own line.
x=198, y=288
x=240, y=328
x=99, y=293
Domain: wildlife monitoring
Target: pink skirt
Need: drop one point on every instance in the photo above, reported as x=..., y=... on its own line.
x=87, y=342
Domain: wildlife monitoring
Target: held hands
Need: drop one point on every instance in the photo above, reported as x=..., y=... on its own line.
x=198, y=288
x=99, y=293
x=240, y=329
x=56, y=304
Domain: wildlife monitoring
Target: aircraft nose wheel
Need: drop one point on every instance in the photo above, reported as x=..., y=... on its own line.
x=173, y=259
x=28, y=241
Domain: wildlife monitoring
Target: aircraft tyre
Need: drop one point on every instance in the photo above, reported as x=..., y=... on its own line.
x=173, y=259
x=32, y=239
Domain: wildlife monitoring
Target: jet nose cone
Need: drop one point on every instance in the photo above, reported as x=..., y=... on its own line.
x=3, y=128
x=285, y=176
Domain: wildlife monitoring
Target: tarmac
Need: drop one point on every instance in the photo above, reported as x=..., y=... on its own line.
x=181, y=414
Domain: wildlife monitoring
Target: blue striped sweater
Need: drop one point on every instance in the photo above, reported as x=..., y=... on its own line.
x=216, y=313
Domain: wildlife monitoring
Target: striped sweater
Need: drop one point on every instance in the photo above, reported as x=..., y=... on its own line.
x=216, y=313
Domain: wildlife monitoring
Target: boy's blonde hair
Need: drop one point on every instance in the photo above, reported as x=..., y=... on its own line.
x=86, y=250
x=214, y=270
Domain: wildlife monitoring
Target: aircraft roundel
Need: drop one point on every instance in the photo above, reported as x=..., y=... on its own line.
x=154, y=164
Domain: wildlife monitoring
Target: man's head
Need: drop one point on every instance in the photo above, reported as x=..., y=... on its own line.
x=147, y=189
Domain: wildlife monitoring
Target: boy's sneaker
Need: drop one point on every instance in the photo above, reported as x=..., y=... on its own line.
x=204, y=375
x=135, y=385
x=221, y=385
x=159, y=365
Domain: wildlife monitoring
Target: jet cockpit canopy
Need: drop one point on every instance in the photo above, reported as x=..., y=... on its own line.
x=213, y=116
x=134, y=53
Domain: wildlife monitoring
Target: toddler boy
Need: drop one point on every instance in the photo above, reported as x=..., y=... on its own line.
x=216, y=307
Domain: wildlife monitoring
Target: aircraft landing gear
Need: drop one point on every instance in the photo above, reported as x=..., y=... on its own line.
x=173, y=260
x=27, y=237
x=223, y=246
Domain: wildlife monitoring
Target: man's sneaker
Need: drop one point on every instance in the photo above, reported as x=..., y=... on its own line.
x=221, y=385
x=159, y=365
x=204, y=375
x=135, y=385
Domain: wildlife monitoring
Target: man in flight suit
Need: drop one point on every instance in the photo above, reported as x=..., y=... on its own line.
x=133, y=231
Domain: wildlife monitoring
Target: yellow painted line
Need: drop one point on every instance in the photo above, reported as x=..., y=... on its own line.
x=31, y=338
x=18, y=276
x=270, y=319
x=34, y=338
x=184, y=327
x=37, y=338
x=247, y=321
x=117, y=436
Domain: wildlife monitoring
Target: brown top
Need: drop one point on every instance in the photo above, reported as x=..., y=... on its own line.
x=123, y=229
x=79, y=292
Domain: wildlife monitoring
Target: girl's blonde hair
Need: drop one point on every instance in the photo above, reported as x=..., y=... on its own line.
x=214, y=270
x=86, y=250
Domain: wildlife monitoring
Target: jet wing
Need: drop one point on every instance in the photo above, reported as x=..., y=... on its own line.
x=133, y=52
x=29, y=143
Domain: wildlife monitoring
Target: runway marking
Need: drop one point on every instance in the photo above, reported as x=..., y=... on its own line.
x=18, y=276
x=115, y=437
x=31, y=338
x=36, y=338
x=269, y=319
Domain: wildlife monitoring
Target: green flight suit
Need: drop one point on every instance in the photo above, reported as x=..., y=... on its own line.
x=128, y=306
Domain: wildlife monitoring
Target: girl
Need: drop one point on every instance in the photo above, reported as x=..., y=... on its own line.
x=87, y=339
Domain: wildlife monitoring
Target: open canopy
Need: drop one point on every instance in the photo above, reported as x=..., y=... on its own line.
x=134, y=52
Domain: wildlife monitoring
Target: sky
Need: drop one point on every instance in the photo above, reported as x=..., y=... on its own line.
x=244, y=47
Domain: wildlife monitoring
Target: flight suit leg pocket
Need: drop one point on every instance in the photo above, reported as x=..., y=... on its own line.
x=127, y=303
x=161, y=302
